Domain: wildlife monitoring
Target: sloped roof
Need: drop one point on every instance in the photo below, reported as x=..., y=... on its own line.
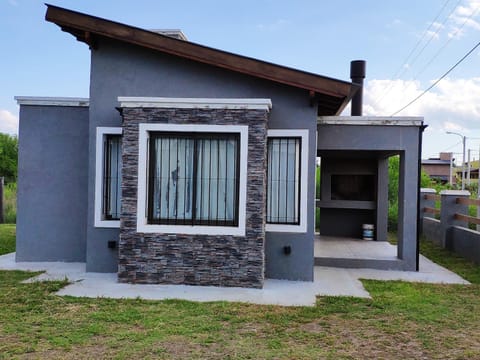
x=332, y=94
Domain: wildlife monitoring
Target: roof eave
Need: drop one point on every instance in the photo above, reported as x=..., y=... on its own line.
x=86, y=27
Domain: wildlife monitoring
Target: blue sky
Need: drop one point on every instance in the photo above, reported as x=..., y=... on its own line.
x=318, y=36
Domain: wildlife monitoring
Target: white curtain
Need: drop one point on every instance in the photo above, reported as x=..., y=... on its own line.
x=113, y=177
x=216, y=179
x=283, y=180
x=172, y=197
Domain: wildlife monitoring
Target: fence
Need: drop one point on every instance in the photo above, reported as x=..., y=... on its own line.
x=447, y=225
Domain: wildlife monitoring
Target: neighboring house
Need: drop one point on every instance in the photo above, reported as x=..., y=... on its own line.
x=471, y=172
x=191, y=165
x=440, y=169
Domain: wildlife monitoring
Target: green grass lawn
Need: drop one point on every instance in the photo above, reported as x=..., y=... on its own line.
x=7, y=238
x=402, y=321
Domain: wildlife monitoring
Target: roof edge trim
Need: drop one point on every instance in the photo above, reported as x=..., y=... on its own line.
x=52, y=101
x=194, y=103
x=371, y=120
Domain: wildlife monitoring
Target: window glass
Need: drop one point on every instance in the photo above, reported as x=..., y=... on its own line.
x=112, y=177
x=193, y=179
x=283, y=180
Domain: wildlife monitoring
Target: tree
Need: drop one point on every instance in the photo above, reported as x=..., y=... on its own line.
x=393, y=174
x=8, y=157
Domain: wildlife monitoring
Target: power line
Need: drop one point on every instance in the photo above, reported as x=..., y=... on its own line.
x=436, y=32
x=440, y=79
x=458, y=143
x=402, y=69
x=457, y=31
x=423, y=36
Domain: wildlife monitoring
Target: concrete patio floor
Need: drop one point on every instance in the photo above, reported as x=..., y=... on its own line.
x=328, y=282
x=349, y=248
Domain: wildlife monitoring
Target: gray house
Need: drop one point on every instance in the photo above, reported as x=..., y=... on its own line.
x=191, y=165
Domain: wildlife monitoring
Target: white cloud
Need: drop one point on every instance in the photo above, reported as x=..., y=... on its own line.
x=432, y=34
x=464, y=17
x=451, y=126
x=452, y=104
x=437, y=25
x=457, y=23
x=8, y=122
x=456, y=32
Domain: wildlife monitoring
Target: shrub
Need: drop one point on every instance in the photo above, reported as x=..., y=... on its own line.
x=393, y=174
x=8, y=157
x=10, y=203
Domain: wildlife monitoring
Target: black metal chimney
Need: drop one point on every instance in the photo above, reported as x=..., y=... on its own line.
x=357, y=74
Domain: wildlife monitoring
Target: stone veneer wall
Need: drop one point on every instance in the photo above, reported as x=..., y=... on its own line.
x=194, y=259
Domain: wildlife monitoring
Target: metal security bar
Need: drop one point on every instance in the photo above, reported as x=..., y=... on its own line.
x=283, y=180
x=193, y=179
x=112, y=167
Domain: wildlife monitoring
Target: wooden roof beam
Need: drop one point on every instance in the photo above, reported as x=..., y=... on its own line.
x=75, y=22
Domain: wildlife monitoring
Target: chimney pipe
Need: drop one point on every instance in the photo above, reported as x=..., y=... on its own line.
x=357, y=74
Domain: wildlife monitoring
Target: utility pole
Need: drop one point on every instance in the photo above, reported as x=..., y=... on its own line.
x=451, y=169
x=464, y=140
x=468, y=168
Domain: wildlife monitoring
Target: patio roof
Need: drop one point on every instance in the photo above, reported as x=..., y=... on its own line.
x=332, y=94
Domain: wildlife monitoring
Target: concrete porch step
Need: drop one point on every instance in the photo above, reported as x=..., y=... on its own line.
x=356, y=263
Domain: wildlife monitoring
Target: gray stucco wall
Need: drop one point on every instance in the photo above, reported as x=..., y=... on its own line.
x=124, y=70
x=432, y=229
x=52, y=183
x=465, y=242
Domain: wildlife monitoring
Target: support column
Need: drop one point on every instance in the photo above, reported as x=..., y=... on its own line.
x=382, y=200
x=426, y=203
x=448, y=209
x=407, y=209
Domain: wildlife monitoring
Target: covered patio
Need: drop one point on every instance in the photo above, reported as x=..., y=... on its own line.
x=354, y=153
x=345, y=252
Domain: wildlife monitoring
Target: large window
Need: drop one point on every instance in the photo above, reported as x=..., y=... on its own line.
x=283, y=180
x=108, y=177
x=193, y=179
x=287, y=174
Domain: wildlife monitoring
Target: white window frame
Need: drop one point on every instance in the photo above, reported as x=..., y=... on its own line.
x=302, y=226
x=99, y=165
x=143, y=136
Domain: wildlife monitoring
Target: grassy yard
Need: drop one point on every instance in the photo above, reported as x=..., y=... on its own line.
x=7, y=238
x=402, y=321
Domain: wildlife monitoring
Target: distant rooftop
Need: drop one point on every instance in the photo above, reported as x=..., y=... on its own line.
x=174, y=33
x=433, y=161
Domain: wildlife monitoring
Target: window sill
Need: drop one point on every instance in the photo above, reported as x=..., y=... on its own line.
x=107, y=224
x=190, y=230
x=302, y=228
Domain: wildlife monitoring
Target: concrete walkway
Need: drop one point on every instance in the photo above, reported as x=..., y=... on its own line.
x=328, y=281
